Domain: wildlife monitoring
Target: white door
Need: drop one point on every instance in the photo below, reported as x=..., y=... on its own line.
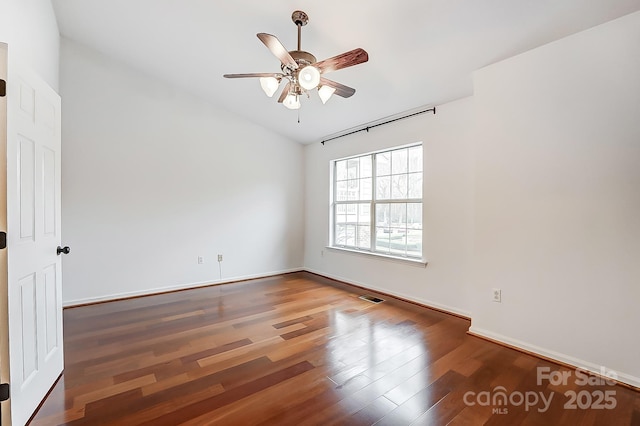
x=33, y=234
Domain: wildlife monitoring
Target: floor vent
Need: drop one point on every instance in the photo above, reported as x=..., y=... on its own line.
x=371, y=299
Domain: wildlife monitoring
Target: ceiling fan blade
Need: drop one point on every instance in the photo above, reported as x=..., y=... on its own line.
x=274, y=45
x=254, y=74
x=284, y=93
x=344, y=60
x=341, y=89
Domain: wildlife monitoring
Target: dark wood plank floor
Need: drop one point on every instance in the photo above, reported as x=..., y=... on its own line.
x=302, y=350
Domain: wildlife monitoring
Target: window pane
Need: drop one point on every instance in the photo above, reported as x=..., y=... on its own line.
x=414, y=215
x=364, y=236
x=383, y=188
x=399, y=161
x=414, y=243
x=364, y=214
x=415, y=159
x=352, y=213
x=399, y=215
x=365, y=166
x=366, y=192
x=341, y=170
x=382, y=239
x=382, y=215
x=352, y=168
x=353, y=191
x=383, y=164
x=414, y=229
x=415, y=185
x=341, y=235
x=398, y=243
x=341, y=214
x=351, y=235
x=341, y=191
x=399, y=187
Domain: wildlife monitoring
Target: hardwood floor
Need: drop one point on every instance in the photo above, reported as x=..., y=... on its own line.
x=299, y=349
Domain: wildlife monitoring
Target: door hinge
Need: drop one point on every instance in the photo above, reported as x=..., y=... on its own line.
x=3, y=88
x=3, y=239
x=4, y=392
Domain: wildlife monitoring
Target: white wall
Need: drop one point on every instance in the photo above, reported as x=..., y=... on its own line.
x=153, y=177
x=447, y=210
x=31, y=30
x=558, y=199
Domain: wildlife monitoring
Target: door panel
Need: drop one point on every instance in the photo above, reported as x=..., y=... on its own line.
x=51, y=310
x=49, y=189
x=27, y=327
x=27, y=192
x=33, y=232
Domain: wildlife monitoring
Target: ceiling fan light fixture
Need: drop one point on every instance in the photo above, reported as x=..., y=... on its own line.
x=309, y=77
x=325, y=93
x=269, y=85
x=291, y=101
x=302, y=70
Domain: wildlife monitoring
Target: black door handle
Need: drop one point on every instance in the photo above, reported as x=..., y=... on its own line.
x=64, y=250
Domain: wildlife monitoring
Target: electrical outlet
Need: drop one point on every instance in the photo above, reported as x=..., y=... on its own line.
x=200, y=260
x=219, y=258
x=497, y=295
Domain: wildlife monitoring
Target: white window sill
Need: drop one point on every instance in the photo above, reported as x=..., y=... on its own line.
x=406, y=260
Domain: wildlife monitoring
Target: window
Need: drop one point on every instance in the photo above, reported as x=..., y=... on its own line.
x=377, y=202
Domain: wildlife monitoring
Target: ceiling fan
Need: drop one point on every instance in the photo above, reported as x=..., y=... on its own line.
x=302, y=71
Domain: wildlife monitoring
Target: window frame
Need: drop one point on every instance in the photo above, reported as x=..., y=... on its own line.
x=372, y=203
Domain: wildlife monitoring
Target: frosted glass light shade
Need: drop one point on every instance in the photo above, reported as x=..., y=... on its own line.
x=269, y=85
x=291, y=101
x=325, y=93
x=309, y=77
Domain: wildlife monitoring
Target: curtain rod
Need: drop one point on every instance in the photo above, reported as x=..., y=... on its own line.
x=380, y=124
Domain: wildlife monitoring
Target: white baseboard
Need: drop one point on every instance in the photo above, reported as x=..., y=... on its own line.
x=553, y=355
x=427, y=303
x=158, y=290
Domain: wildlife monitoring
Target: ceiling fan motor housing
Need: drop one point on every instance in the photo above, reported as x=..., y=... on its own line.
x=302, y=58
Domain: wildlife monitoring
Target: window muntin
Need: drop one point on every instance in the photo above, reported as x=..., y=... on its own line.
x=377, y=202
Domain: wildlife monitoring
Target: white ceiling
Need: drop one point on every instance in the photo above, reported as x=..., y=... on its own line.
x=421, y=52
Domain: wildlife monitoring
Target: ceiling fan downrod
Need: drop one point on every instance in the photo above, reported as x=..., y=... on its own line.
x=300, y=19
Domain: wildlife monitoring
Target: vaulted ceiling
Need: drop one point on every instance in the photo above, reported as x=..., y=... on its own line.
x=421, y=52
